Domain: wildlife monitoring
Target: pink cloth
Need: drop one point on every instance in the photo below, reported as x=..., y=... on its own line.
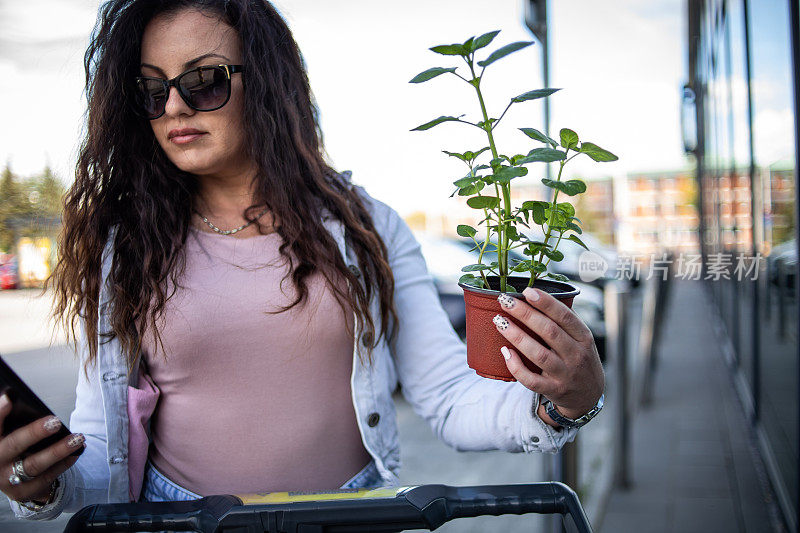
x=251, y=401
x=141, y=404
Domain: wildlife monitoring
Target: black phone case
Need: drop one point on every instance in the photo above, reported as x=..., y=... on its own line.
x=27, y=407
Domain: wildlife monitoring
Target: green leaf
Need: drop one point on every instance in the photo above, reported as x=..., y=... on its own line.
x=555, y=255
x=449, y=49
x=522, y=266
x=462, y=157
x=463, y=182
x=466, y=231
x=475, y=267
x=482, y=123
x=533, y=95
x=567, y=208
x=597, y=153
x=511, y=231
x=538, y=136
x=533, y=248
x=471, y=280
x=569, y=139
x=430, y=74
x=544, y=155
x=434, y=122
x=575, y=187
x=539, y=267
x=531, y=204
x=469, y=190
x=483, y=40
x=537, y=208
x=472, y=155
x=481, y=202
x=557, y=277
x=575, y=238
x=570, y=188
x=574, y=227
x=504, y=51
x=506, y=174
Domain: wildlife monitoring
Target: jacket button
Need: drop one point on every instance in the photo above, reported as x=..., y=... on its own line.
x=355, y=270
x=118, y=459
x=373, y=419
x=366, y=339
x=110, y=375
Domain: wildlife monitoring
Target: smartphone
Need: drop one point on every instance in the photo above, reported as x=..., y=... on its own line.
x=27, y=407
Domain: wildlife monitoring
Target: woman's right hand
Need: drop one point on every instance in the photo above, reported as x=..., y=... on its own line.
x=44, y=466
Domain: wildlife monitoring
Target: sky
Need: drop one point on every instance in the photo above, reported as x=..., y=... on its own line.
x=619, y=64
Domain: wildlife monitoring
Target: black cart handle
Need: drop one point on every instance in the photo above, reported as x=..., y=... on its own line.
x=352, y=510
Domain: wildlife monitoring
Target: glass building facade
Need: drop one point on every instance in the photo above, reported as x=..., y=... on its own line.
x=740, y=122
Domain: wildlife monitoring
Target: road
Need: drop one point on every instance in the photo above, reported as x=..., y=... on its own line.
x=51, y=370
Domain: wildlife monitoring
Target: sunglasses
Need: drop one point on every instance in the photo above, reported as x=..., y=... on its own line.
x=203, y=89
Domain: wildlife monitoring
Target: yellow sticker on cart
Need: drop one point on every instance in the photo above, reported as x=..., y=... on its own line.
x=310, y=496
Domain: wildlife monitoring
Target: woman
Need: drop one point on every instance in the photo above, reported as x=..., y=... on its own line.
x=211, y=257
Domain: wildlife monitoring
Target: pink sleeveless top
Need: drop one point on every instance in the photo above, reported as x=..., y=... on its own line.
x=252, y=402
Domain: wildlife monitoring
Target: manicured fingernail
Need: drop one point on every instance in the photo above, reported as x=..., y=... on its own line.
x=500, y=322
x=506, y=301
x=4, y=400
x=76, y=440
x=505, y=353
x=531, y=293
x=52, y=424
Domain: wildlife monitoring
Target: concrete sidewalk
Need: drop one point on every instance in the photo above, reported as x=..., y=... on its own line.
x=694, y=466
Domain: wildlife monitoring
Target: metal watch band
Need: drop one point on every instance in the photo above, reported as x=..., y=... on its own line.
x=562, y=420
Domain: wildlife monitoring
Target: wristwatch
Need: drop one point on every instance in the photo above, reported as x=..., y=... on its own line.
x=562, y=420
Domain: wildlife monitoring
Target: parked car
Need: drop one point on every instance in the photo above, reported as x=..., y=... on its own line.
x=446, y=256
x=9, y=277
x=781, y=265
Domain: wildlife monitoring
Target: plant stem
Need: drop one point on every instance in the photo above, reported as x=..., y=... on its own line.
x=534, y=275
x=502, y=252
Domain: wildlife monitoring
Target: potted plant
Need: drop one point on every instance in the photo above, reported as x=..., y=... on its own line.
x=488, y=188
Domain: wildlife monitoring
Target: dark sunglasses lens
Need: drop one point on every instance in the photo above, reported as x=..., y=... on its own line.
x=205, y=88
x=152, y=96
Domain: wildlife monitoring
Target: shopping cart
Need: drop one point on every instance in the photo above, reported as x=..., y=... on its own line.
x=343, y=510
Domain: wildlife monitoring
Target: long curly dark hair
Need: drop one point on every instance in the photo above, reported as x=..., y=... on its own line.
x=124, y=179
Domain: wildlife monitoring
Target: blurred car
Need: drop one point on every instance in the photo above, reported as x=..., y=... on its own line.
x=782, y=264
x=446, y=256
x=569, y=266
x=9, y=278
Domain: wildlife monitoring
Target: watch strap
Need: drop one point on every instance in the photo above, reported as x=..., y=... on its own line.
x=562, y=420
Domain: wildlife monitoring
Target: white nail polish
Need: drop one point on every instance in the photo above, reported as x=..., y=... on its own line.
x=500, y=322
x=76, y=440
x=505, y=353
x=52, y=424
x=506, y=301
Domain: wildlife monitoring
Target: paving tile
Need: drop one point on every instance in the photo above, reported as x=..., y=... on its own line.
x=704, y=446
x=706, y=515
x=705, y=458
x=623, y=522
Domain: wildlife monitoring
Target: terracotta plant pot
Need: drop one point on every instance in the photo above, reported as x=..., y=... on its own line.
x=483, y=339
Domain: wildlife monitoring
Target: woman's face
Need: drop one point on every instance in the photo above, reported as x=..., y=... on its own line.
x=172, y=44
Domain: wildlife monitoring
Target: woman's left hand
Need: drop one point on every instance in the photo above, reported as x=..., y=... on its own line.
x=572, y=375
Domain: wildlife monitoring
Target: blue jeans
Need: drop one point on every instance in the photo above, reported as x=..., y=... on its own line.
x=158, y=488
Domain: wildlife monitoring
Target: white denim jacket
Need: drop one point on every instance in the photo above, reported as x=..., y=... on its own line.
x=467, y=412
